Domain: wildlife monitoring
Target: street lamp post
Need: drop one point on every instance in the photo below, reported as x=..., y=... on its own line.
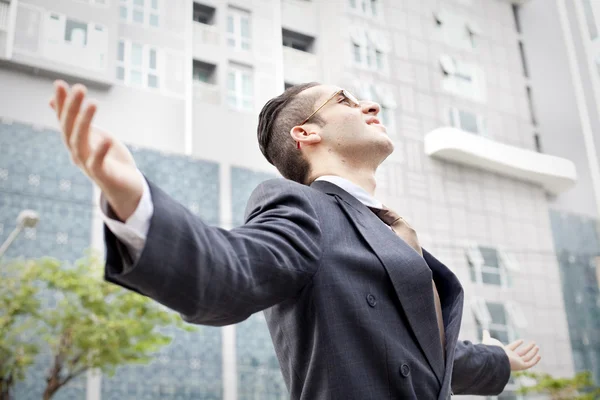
x=25, y=219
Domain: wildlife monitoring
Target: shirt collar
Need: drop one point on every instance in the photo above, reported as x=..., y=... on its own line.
x=359, y=193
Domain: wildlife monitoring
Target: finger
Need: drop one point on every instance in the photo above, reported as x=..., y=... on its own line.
x=60, y=94
x=530, y=355
x=513, y=346
x=525, y=349
x=80, y=144
x=533, y=362
x=97, y=156
x=486, y=336
x=71, y=109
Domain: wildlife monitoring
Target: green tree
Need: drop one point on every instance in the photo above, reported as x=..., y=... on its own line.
x=18, y=311
x=579, y=387
x=94, y=324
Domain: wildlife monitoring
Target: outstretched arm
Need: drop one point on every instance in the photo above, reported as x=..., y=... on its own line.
x=484, y=369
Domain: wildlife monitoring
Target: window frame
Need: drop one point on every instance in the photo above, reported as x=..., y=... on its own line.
x=455, y=120
x=484, y=319
x=146, y=9
x=237, y=93
x=145, y=69
x=477, y=267
x=237, y=15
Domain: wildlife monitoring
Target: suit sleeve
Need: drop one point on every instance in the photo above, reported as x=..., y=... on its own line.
x=217, y=277
x=479, y=369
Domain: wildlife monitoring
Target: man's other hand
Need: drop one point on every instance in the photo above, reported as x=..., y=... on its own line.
x=103, y=158
x=521, y=358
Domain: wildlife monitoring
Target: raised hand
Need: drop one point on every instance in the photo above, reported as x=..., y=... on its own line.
x=520, y=358
x=103, y=158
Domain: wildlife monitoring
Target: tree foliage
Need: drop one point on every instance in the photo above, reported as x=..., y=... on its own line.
x=579, y=387
x=93, y=324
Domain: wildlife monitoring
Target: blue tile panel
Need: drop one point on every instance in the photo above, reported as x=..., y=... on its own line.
x=36, y=173
x=190, y=367
x=259, y=376
x=577, y=246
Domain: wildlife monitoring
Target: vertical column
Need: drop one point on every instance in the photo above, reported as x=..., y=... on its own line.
x=279, y=76
x=188, y=58
x=94, y=377
x=584, y=115
x=12, y=21
x=228, y=332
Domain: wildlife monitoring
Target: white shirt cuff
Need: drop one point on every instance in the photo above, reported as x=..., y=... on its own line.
x=134, y=231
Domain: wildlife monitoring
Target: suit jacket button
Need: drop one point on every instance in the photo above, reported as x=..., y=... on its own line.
x=404, y=370
x=371, y=300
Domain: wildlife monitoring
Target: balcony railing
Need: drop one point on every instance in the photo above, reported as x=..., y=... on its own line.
x=554, y=173
x=4, y=11
x=206, y=34
x=207, y=92
x=300, y=66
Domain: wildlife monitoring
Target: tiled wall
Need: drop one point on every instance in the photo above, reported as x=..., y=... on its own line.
x=36, y=173
x=191, y=366
x=578, y=248
x=259, y=376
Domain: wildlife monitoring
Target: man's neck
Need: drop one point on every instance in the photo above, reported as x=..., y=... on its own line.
x=365, y=178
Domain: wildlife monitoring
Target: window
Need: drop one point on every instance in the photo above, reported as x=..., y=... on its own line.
x=204, y=72
x=466, y=120
x=369, y=49
x=456, y=30
x=517, y=17
x=143, y=12
x=489, y=266
x=590, y=19
x=4, y=10
x=297, y=41
x=462, y=79
x=500, y=319
x=538, y=143
x=138, y=65
x=240, y=87
x=369, y=8
x=204, y=14
x=238, y=29
x=531, y=106
x=75, y=42
x=523, y=59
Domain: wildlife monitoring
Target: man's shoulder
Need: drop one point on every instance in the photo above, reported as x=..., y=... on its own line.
x=280, y=190
x=283, y=186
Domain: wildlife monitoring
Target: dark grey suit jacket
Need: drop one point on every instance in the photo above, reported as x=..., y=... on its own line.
x=349, y=304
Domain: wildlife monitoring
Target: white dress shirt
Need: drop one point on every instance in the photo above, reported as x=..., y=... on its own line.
x=134, y=230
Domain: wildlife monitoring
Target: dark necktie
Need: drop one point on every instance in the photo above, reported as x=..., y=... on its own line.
x=409, y=235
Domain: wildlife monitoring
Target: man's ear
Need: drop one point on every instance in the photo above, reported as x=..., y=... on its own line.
x=304, y=135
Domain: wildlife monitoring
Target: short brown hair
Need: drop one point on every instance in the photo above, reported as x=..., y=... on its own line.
x=275, y=121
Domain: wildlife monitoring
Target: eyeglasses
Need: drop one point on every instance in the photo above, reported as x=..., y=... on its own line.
x=347, y=96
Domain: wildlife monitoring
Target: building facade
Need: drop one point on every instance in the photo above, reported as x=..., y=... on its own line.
x=500, y=191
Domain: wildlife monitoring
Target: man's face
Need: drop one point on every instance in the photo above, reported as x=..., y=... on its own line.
x=349, y=129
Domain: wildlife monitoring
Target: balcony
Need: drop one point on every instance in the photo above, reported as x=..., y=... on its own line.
x=4, y=16
x=206, y=41
x=207, y=93
x=300, y=66
x=555, y=174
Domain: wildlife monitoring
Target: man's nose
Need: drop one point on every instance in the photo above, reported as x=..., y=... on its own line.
x=370, y=107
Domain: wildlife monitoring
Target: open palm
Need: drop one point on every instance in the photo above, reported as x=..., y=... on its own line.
x=103, y=158
x=520, y=358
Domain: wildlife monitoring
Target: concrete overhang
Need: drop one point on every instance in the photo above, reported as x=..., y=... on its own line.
x=554, y=173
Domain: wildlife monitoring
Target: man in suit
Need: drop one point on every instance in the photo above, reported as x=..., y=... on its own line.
x=356, y=308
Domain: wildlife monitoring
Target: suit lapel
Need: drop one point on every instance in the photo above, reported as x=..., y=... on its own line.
x=408, y=272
